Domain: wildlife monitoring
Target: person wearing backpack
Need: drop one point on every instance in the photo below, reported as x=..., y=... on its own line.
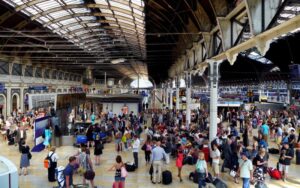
x=201, y=169
x=86, y=166
x=52, y=157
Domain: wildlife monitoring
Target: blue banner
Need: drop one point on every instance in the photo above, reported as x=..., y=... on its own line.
x=2, y=87
x=38, y=88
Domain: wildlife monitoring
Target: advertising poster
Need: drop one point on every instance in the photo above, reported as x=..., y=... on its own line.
x=39, y=127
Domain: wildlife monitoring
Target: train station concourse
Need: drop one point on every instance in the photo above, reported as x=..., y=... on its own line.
x=149, y=93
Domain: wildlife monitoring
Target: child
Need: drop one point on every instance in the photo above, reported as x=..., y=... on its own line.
x=201, y=169
x=179, y=162
x=98, y=152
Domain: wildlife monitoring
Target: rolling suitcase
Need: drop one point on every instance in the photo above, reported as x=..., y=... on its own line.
x=166, y=177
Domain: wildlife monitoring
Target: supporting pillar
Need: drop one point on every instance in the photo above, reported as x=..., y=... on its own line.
x=177, y=83
x=22, y=98
x=165, y=95
x=188, y=98
x=8, y=102
x=213, y=111
x=171, y=95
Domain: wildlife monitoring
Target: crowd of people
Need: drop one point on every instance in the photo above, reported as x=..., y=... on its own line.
x=236, y=146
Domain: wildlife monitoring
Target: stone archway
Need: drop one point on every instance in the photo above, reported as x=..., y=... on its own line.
x=26, y=104
x=3, y=105
x=15, y=102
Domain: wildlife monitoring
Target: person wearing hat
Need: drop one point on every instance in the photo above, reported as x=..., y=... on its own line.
x=53, y=164
x=135, y=150
x=286, y=155
x=246, y=170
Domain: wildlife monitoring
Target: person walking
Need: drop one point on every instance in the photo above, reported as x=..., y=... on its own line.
x=286, y=155
x=53, y=164
x=69, y=171
x=265, y=131
x=148, y=149
x=179, y=163
x=98, y=151
x=86, y=164
x=119, y=180
x=201, y=169
x=89, y=135
x=278, y=135
x=227, y=155
x=215, y=155
x=135, y=150
x=245, y=170
x=158, y=155
x=25, y=158
x=47, y=136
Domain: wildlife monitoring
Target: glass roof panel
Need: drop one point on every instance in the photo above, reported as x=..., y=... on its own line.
x=107, y=11
x=123, y=23
x=119, y=5
x=55, y=26
x=75, y=27
x=122, y=14
x=44, y=19
x=48, y=5
x=81, y=32
x=101, y=2
x=93, y=24
x=87, y=18
x=73, y=2
x=18, y=2
x=138, y=12
x=65, y=22
x=110, y=18
x=59, y=14
x=138, y=2
x=80, y=10
x=31, y=10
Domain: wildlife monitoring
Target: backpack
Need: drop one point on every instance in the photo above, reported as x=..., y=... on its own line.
x=48, y=161
x=60, y=177
x=96, y=136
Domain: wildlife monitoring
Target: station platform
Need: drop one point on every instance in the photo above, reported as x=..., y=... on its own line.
x=37, y=176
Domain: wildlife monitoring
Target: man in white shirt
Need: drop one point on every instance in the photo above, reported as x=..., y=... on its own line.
x=157, y=156
x=246, y=170
x=135, y=150
x=215, y=155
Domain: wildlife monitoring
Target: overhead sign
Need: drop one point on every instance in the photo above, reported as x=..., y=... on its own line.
x=38, y=88
x=2, y=87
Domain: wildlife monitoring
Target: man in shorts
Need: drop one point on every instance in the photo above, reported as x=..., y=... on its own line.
x=286, y=155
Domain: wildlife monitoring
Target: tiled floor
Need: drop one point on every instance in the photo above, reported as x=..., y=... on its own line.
x=37, y=177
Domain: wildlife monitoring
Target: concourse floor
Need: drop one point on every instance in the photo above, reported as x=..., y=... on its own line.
x=37, y=177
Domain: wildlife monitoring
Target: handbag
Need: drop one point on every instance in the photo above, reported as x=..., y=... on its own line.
x=29, y=155
x=232, y=173
x=124, y=172
x=144, y=147
x=89, y=175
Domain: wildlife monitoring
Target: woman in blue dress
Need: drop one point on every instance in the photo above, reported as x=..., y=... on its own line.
x=48, y=136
